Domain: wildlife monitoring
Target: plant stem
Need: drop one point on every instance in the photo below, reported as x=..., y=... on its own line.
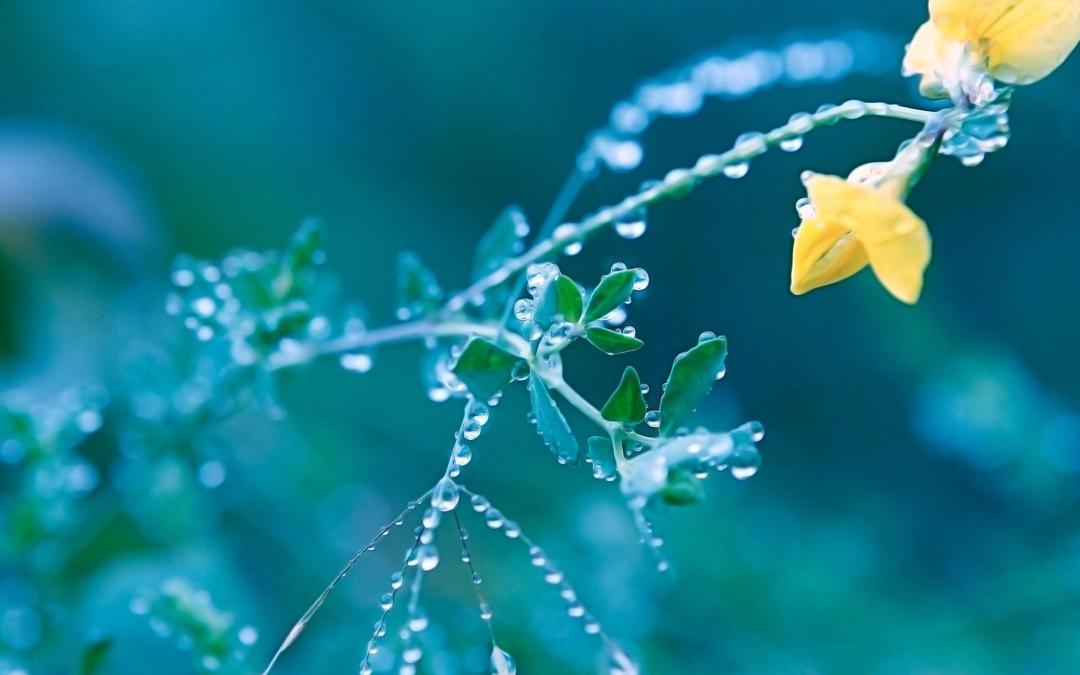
x=577, y=400
x=403, y=332
x=678, y=183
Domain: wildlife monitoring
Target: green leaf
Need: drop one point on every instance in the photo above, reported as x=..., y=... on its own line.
x=682, y=488
x=92, y=657
x=626, y=405
x=418, y=291
x=551, y=425
x=692, y=376
x=305, y=250
x=612, y=291
x=610, y=341
x=562, y=297
x=601, y=455
x=504, y=240
x=484, y=367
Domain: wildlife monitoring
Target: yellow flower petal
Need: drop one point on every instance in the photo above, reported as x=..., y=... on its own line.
x=823, y=254
x=935, y=58
x=1022, y=40
x=895, y=240
x=899, y=263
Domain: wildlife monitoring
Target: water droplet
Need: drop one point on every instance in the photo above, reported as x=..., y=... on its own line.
x=523, y=309
x=480, y=503
x=791, y=143
x=485, y=611
x=431, y=519
x=757, y=431
x=750, y=143
x=853, y=109
x=745, y=462
x=641, y=279
x=800, y=123
x=736, y=170
x=805, y=208
x=396, y=580
x=427, y=556
x=494, y=518
x=357, y=363
x=502, y=663
x=631, y=224
x=462, y=454
x=520, y=372
x=248, y=635
x=386, y=602
x=418, y=622
x=652, y=419
x=615, y=316
x=571, y=232
x=412, y=654
x=470, y=430
x=445, y=495
x=478, y=412
x=705, y=336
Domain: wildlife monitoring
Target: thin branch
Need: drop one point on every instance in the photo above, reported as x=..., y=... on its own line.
x=302, y=622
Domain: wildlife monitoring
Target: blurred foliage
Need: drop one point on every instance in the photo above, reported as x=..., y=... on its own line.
x=916, y=509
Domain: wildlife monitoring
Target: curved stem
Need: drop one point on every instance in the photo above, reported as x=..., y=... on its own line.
x=675, y=183
x=577, y=400
x=681, y=181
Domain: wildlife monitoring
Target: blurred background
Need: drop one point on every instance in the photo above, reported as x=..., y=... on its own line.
x=917, y=509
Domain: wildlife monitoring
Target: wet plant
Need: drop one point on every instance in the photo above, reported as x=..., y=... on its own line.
x=254, y=315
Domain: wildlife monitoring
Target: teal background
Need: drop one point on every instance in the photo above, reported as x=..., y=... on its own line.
x=916, y=511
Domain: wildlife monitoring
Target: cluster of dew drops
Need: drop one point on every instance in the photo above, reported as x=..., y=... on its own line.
x=538, y=276
x=424, y=557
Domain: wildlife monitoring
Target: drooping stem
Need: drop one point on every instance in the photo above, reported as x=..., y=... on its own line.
x=675, y=183
x=299, y=626
x=678, y=183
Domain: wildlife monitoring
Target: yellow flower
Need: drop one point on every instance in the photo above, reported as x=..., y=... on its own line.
x=1017, y=41
x=858, y=222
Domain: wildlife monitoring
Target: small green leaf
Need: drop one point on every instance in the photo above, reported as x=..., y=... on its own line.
x=612, y=291
x=601, y=455
x=562, y=297
x=484, y=367
x=692, y=376
x=626, y=405
x=551, y=425
x=418, y=291
x=610, y=341
x=305, y=250
x=92, y=657
x=504, y=240
x=682, y=488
